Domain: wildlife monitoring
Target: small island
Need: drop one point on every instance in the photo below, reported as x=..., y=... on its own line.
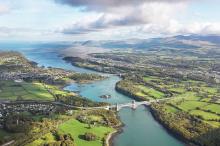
x=189, y=85
x=105, y=96
x=32, y=98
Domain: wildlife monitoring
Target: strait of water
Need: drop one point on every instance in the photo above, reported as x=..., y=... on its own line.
x=140, y=129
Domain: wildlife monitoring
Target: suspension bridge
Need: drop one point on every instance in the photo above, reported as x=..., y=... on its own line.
x=133, y=104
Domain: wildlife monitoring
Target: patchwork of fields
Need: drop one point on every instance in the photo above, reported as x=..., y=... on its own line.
x=193, y=97
x=12, y=90
x=196, y=98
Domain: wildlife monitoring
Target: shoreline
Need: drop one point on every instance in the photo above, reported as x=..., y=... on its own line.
x=112, y=135
x=170, y=131
x=109, y=140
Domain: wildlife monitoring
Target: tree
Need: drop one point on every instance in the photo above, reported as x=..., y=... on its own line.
x=17, y=123
x=19, y=98
x=90, y=136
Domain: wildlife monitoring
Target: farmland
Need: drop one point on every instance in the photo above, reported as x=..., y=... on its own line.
x=76, y=129
x=11, y=90
x=28, y=92
x=189, y=77
x=196, y=98
x=76, y=125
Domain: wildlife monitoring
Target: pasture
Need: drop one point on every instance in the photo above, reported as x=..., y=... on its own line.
x=77, y=129
x=146, y=91
x=10, y=90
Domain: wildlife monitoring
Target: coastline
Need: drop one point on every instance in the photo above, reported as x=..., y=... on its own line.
x=109, y=139
x=118, y=129
x=126, y=93
x=174, y=134
x=112, y=135
x=170, y=131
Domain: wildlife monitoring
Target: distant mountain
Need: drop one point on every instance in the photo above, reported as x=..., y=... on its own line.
x=180, y=41
x=209, y=38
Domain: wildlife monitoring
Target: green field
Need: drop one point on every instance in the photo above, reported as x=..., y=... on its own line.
x=213, y=108
x=205, y=115
x=188, y=96
x=150, y=78
x=149, y=92
x=11, y=90
x=76, y=130
x=191, y=105
x=196, y=98
x=171, y=109
x=193, y=97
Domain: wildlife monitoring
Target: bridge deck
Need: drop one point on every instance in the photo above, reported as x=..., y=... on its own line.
x=132, y=104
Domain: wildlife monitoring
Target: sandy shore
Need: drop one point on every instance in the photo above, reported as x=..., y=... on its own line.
x=109, y=138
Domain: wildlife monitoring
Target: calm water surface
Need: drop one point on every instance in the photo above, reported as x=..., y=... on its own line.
x=140, y=127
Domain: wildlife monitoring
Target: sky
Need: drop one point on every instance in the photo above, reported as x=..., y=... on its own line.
x=75, y=20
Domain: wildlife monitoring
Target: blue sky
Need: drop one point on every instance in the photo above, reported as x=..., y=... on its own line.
x=70, y=20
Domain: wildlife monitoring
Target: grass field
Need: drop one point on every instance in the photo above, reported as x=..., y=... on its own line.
x=149, y=92
x=11, y=90
x=150, y=78
x=213, y=108
x=196, y=98
x=191, y=105
x=205, y=115
x=189, y=96
x=77, y=129
x=171, y=109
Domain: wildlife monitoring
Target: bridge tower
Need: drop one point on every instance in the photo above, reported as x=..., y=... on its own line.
x=117, y=107
x=133, y=104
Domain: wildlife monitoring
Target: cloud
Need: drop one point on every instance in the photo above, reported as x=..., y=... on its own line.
x=146, y=13
x=203, y=28
x=97, y=5
x=175, y=27
x=9, y=31
x=3, y=9
x=143, y=16
x=102, y=22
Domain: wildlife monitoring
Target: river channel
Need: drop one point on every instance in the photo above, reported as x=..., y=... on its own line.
x=140, y=129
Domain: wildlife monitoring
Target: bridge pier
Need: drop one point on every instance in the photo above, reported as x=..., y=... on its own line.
x=133, y=104
x=117, y=107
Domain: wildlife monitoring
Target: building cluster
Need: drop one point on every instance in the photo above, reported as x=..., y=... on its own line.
x=34, y=107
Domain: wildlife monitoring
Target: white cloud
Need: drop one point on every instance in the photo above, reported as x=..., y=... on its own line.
x=203, y=28
x=105, y=5
x=7, y=32
x=3, y=9
x=147, y=13
x=102, y=19
x=154, y=18
x=174, y=28
x=149, y=16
